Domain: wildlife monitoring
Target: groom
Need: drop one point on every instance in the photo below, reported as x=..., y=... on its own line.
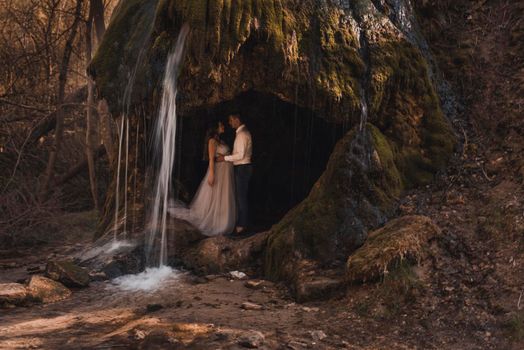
x=241, y=159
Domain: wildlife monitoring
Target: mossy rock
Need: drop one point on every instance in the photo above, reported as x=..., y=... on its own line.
x=67, y=273
x=120, y=57
x=406, y=108
x=221, y=254
x=402, y=240
x=358, y=190
x=233, y=46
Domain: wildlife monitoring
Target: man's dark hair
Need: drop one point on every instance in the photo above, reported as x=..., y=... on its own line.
x=236, y=115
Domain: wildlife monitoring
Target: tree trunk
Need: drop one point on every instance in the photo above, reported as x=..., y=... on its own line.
x=78, y=167
x=59, y=129
x=96, y=17
x=106, y=129
x=91, y=117
x=97, y=9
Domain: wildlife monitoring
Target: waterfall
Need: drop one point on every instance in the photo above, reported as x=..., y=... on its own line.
x=364, y=83
x=124, y=128
x=117, y=191
x=135, y=174
x=142, y=37
x=164, y=144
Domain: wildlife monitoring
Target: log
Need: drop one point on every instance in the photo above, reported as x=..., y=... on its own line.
x=79, y=167
x=48, y=123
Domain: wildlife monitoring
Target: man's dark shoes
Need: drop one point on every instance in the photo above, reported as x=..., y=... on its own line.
x=239, y=234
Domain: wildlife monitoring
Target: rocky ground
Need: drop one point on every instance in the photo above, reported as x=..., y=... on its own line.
x=465, y=296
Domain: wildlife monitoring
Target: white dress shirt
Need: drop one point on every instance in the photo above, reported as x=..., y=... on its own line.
x=243, y=147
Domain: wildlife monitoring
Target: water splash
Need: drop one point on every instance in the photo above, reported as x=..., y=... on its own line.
x=118, y=245
x=106, y=249
x=165, y=145
x=148, y=280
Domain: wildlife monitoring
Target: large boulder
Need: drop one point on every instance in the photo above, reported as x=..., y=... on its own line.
x=182, y=237
x=404, y=239
x=358, y=190
x=67, y=273
x=222, y=254
x=46, y=290
x=109, y=258
x=318, y=287
x=12, y=294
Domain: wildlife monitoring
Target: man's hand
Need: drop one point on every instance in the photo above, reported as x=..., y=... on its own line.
x=220, y=158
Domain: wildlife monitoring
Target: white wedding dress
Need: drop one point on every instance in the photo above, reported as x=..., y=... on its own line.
x=213, y=209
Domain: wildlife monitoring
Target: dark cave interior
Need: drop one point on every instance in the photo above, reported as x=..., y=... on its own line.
x=291, y=147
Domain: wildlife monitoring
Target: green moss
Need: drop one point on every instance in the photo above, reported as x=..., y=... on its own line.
x=309, y=226
x=514, y=326
x=222, y=27
x=403, y=103
x=336, y=66
x=321, y=226
x=438, y=137
x=306, y=43
x=388, y=187
x=416, y=169
x=401, y=287
x=401, y=239
x=117, y=54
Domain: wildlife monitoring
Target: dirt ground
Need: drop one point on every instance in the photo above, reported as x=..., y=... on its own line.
x=462, y=300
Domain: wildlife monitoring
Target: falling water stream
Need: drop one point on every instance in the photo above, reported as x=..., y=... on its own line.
x=165, y=144
x=120, y=233
x=117, y=191
x=124, y=135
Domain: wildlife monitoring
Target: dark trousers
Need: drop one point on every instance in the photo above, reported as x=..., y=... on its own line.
x=242, y=177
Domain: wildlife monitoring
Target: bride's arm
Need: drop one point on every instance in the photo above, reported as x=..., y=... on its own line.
x=211, y=148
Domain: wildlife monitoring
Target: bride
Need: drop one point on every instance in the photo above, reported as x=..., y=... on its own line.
x=213, y=209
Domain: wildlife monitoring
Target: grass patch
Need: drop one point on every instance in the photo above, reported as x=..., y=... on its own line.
x=363, y=308
x=401, y=241
x=515, y=326
x=400, y=287
x=389, y=298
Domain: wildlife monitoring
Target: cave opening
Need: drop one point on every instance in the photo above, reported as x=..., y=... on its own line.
x=291, y=148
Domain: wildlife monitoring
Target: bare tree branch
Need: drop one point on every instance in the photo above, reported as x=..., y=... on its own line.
x=49, y=172
x=32, y=108
x=79, y=167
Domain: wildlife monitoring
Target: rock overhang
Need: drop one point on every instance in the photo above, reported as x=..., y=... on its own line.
x=330, y=57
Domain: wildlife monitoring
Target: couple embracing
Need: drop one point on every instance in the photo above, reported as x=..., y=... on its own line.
x=220, y=205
